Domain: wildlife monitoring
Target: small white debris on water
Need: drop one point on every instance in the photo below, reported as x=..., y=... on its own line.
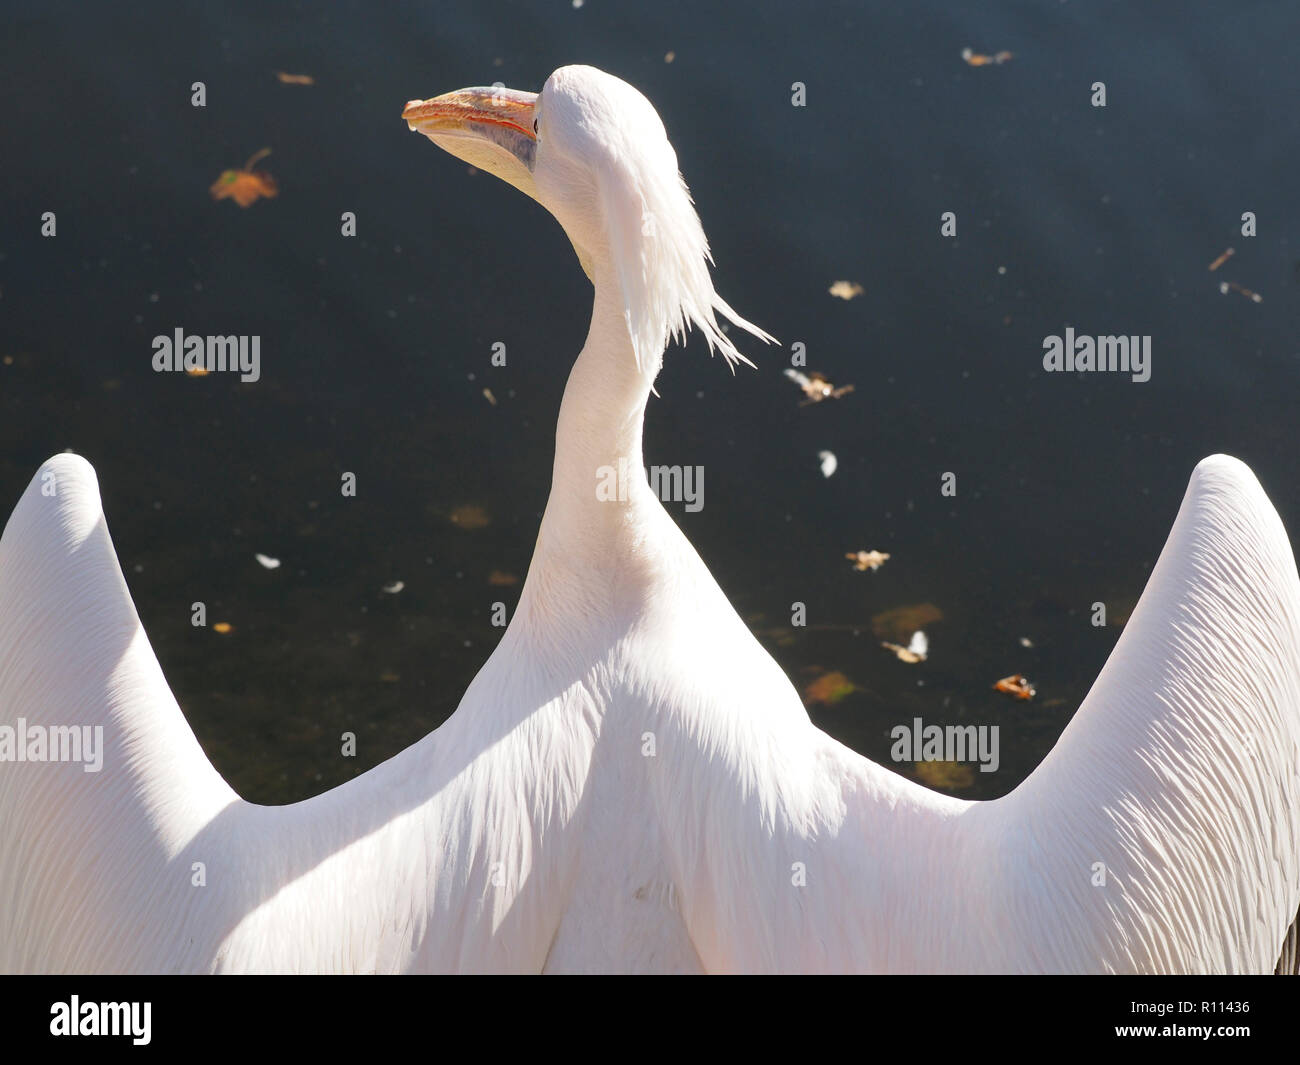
x=267, y=562
x=829, y=462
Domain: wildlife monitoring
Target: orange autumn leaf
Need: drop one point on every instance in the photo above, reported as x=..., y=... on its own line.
x=295, y=79
x=223, y=627
x=1015, y=685
x=245, y=186
x=977, y=59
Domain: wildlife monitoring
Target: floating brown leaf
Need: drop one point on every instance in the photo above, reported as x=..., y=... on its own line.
x=1120, y=609
x=900, y=622
x=845, y=290
x=915, y=651
x=829, y=689
x=867, y=560
x=816, y=386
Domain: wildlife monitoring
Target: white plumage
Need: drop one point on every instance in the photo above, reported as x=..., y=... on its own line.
x=631, y=783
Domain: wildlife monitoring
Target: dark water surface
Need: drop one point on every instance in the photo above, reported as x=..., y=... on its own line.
x=375, y=350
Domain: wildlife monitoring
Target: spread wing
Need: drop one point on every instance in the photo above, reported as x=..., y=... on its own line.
x=152, y=863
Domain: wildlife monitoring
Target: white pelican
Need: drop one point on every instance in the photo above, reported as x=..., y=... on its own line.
x=631, y=783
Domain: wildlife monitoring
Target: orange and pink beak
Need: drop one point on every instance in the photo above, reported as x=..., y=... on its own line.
x=491, y=128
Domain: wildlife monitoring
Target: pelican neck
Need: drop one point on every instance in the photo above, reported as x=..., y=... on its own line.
x=598, y=483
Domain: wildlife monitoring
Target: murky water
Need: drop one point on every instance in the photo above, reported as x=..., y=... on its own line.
x=375, y=350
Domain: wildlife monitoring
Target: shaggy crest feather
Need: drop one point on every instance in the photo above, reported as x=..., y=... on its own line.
x=657, y=243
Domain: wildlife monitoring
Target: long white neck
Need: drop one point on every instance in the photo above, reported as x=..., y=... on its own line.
x=598, y=445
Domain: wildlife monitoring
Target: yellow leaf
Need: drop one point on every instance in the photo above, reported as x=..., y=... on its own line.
x=948, y=775
x=470, y=516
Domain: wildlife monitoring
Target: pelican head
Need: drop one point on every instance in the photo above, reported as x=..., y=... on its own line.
x=593, y=151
